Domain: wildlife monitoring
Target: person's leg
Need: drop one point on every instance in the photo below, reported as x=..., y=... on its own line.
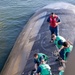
x=51, y=30
x=32, y=72
x=56, y=30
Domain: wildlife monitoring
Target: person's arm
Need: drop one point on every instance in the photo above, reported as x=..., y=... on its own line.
x=35, y=66
x=63, y=61
x=70, y=42
x=61, y=48
x=60, y=42
x=48, y=20
x=58, y=21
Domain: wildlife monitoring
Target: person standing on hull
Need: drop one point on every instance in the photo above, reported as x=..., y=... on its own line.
x=65, y=51
x=58, y=41
x=54, y=21
x=37, y=60
x=44, y=69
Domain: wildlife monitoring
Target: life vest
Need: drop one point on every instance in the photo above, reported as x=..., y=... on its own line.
x=53, y=21
x=45, y=69
x=69, y=49
x=61, y=72
x=57, y=39
x=45, y=57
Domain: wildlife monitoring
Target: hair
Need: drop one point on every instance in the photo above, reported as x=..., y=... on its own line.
x=53, y=35
x=35, y=54
x=52, y=13
x=65, y=44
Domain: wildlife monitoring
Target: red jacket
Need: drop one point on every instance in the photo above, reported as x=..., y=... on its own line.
x=53, y=21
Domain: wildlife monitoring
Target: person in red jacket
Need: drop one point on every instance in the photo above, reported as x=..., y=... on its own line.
x=54, y=21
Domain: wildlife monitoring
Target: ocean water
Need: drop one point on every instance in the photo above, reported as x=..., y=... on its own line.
x=14, y=14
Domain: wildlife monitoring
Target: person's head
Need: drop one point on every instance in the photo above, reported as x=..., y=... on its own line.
x=35, y=55
x=53, y=36
x=65, y=44
x=52, y=14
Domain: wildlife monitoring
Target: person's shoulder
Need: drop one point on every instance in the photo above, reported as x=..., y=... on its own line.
x=56, y=16
x=57, y=37
x=48, y=66
x=60, y=36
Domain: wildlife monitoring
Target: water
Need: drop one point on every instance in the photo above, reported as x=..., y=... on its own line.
x=14, y=14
